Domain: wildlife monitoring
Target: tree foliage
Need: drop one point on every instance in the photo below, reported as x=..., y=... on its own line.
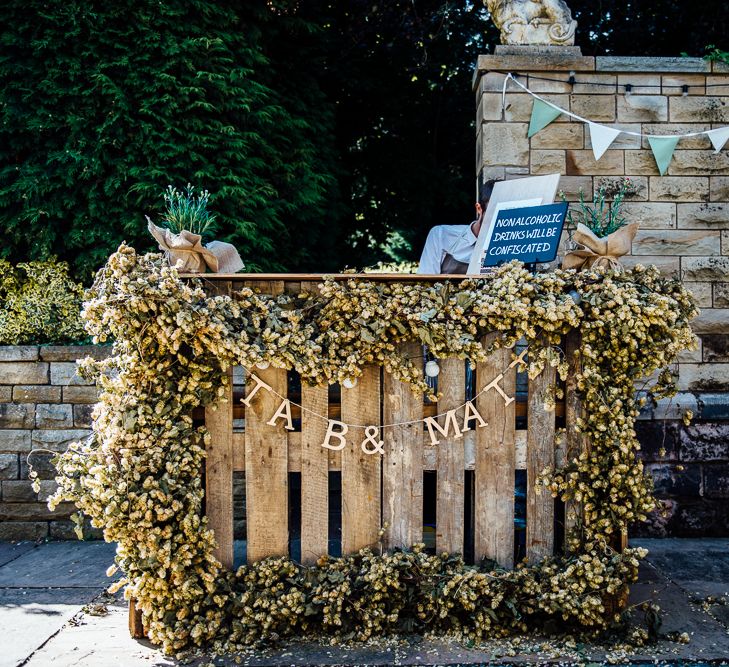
x=105, y=104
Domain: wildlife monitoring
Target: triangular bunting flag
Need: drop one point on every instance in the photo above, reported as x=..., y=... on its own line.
x=663, y=148
x=542, y=115
x=718, y=137
x=601, y=137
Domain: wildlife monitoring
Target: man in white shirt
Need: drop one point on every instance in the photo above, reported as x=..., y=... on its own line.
x=448, y=248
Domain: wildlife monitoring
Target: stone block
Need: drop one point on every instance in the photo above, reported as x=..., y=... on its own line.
x=57, y=440
x=33, y=511
x=699, y=142
x=691, y=356
x=699, y=163
x=642, y=64
x=716, y=481
x=19, y=531
x=721, y=295
x=505, y=144
x=623, y=141
x=16, y=415
x=701, y=292
x=705, y=268
x=82, y=415
x=41, y=462
x=640, y=162
x=73, y=352
x=582, y=163
x=18, y=353
x=595, y=84
x=6, y=394
x=703, y=216
x=560, y=136
x=18, y=491
x=666, y=264
x=36, y=393
x=642, y=108
x=47, y=489
x=711, y=321
x=675, y=480
x=80, y=394
x=14, y=440
x=658, y=440
x=23, y=372
x=547, y=162
x=64, y=530
x=703, y=377
x=725, y=242
x=642, y=84
x=704, y=442
x=676, y=242
x=599, y=108
x=544, y=82
x=673, y=85
x=53, y=415
x=65, y=373
x=708, y=109
x=679, y=188
x=612, y=184
x=719, y=188
x=651, y=215
x=720, y=85
x=493, y=82
x=715, y=348
x=9, y=466
x=572, y=186
x=555, y=60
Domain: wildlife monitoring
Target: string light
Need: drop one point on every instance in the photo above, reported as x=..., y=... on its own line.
x=432, y=369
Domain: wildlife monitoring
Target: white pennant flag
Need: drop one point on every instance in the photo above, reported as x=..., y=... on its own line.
x=719, y=137
x=602, y=137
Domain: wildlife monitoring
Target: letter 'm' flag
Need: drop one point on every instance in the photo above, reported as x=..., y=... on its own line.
x=542, y=115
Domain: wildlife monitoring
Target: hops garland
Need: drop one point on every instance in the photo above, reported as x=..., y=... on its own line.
x=138, y=476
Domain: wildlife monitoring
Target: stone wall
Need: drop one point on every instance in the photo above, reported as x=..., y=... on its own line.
x=684, y=218
x=45, y=405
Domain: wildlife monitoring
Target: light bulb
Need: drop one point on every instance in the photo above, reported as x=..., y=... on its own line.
x=432, y=369
x=575, y=296
x=350, y=383
x=263, y=365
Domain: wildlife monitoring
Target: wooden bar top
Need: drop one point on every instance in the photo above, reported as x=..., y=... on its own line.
x=318, y=277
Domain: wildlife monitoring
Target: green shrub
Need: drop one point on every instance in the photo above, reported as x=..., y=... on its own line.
x=39, y=303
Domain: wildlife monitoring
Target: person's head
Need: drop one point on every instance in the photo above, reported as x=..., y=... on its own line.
x=484, y=194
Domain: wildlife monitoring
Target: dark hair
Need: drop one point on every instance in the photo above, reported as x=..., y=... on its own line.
x=485, y=191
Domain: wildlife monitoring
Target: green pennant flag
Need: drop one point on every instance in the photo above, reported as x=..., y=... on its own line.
x=663, y=148
x=542, y=115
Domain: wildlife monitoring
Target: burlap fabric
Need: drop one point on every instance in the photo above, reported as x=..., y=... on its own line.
x=189, y=254
x=598, y=251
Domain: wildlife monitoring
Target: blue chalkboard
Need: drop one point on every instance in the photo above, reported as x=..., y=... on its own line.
x=528, y=234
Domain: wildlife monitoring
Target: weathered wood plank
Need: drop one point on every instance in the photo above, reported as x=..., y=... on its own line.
x=540, y=455
x=495, y=461
x=219, y=472
x=266, y=462
x=402, y=474
x=450, y=501
x=136, y=627
x=360, y=471
x=574, y=441
x=314, y=475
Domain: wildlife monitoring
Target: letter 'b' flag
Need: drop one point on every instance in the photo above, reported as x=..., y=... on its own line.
x=601, y=137
x=542, y=115
x=719, y=137
x=663, y=148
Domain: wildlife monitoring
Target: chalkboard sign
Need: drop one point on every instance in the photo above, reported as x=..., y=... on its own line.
x=530, y=234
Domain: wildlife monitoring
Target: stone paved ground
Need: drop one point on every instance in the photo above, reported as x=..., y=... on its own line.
x=53, y=612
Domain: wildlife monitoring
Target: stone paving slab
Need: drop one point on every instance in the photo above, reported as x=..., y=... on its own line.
x=10, y=551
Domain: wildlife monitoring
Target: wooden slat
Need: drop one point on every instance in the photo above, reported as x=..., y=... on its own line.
x=495, y=461
x=360, y=471
x=266, y=461
x=258, y=278
x=314, y=475
x=402, y=474
x=450, y=515
x=136, y=627
x=540, y=455
x=574, y=440
x=219, y=473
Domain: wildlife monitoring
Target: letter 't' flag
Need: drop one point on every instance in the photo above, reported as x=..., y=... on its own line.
x=542, y=115
x=601, y=138
x=718, y=137
x=663, y=148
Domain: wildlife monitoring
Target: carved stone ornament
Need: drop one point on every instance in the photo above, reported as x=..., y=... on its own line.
x=535, y=22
